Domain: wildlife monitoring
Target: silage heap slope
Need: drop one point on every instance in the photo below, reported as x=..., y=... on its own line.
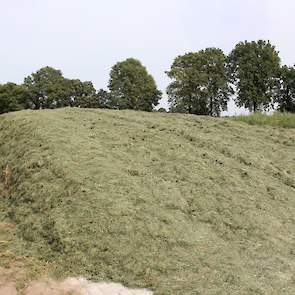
x=179, y=204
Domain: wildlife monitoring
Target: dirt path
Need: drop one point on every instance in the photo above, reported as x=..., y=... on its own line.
x=71, y=286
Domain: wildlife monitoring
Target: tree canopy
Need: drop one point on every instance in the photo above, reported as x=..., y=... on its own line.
x=13, y=97
x=202, y=83
x=132, y=87
x=47, y=88
x=254, y=68
x=81, y=94
x=286, y=98
x=199, y=83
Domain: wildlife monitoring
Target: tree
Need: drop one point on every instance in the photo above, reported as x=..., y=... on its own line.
x=286, y=97
x=254, y=68
x=132, y=87
x=199, y=83
x=13, y=97
x=104, y=99
x=82, y=94
x=46, y=88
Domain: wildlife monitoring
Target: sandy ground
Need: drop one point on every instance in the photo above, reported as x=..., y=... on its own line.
x=71, y=286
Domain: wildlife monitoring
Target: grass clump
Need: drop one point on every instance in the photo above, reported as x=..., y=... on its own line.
x=277, y=119
x=16, y=267
x=180, y=204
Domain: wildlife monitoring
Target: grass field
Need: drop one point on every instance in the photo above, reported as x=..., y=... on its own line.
x=179, y=204
x=277, y=119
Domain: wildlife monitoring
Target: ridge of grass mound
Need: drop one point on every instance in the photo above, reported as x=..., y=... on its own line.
x=277, y=119
x=178, y=204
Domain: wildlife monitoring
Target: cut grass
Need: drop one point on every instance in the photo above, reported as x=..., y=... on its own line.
x=176, y=203
x=15, y=268
x=277, y=119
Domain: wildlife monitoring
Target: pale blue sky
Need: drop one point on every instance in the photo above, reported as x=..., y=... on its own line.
x=84, y=38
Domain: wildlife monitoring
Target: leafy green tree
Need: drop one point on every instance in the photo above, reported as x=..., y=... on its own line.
x=47, y=88
x=199, y=83
x=132, y=87
x=286, y=97
x=104, y=99
x=13, y=97
x=254, y=68
x=82, y=94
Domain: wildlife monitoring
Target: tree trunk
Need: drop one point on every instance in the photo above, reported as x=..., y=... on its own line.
x=254, y=106
x=189, y=109
x=211, y=106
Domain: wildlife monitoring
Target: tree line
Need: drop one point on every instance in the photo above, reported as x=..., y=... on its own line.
x=201, y=83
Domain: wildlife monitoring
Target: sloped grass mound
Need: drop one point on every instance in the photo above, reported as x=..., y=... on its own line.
x=277, y=119
x=177, y=204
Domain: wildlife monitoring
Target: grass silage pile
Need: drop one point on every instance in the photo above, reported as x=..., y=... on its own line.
x=178, y=204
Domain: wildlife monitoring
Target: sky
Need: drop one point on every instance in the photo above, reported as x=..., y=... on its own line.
x=85, y=38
